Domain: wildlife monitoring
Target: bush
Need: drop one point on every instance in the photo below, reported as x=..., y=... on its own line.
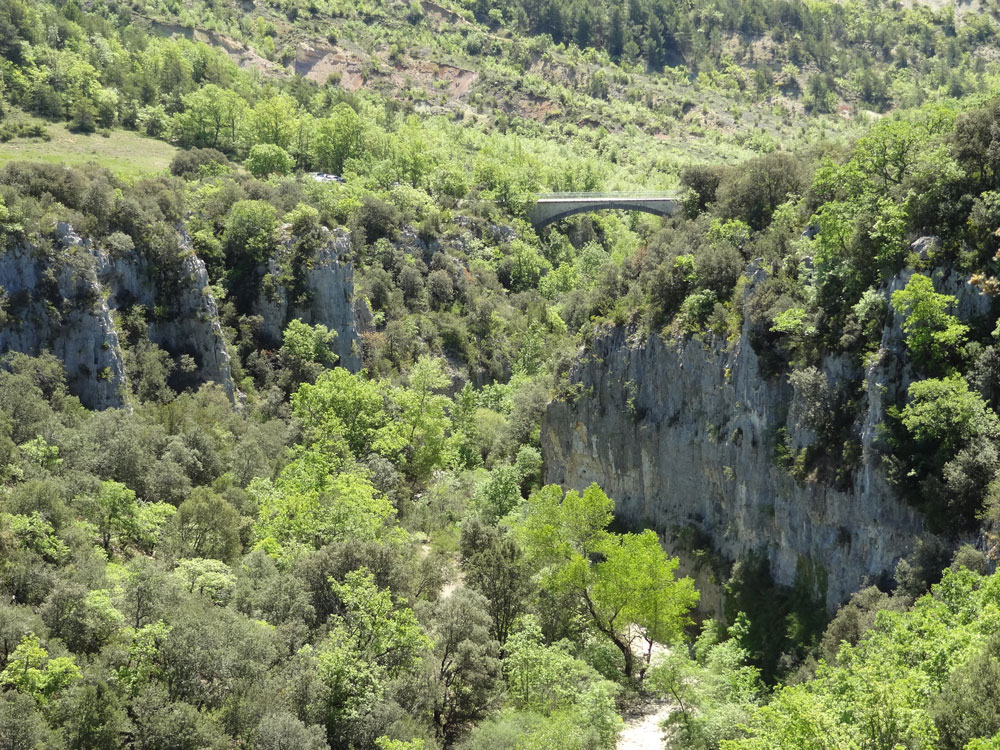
x=440, y=289
x=944, y=449
x=250, y=230
x=753, y=191
x=377, y=218
x=718, y=267
x=933, y=336
x=267, y=159
x=695, y=311
x=84, y=118
x=37, y=179
x=195, y=161
x=968, y=705
x=704, y=181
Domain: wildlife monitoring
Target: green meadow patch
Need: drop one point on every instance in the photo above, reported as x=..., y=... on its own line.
x=123, y=152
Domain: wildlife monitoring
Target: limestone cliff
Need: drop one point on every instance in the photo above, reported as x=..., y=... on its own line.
x=182, y=315
x=326, y=297
x=63, y=300
x=59, y=306
x=682, y=435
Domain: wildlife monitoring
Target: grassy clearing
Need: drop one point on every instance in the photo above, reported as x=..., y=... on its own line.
x=123, y=152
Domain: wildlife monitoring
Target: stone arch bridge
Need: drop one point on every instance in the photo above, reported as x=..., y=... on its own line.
x=550, y=207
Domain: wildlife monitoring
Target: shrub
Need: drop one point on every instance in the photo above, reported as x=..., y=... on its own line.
x=191, y=163
x=933, y=336
x=752, y=192
x=267, y=159
x=250, y=230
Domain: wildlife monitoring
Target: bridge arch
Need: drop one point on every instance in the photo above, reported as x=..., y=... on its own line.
x=556, y=206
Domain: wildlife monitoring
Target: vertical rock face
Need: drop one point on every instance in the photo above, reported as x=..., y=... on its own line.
x=327, y=299
x=197, y=329
x=682, y=435
x=183, y=318
x=62, y=302
x=57, y=305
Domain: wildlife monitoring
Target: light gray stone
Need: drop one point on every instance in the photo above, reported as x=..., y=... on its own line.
x=73, y=318
x=329, y=286
x=681, y=435
x=57, y=305
x=924, y=246
x=64, y=302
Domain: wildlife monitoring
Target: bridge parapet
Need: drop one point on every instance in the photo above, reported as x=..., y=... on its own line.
x=633, y=194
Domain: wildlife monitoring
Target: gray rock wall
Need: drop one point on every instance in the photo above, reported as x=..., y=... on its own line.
x=329, y=287
x=63, y=302
x=188, y=319
x=59, y=306
x=682, y=436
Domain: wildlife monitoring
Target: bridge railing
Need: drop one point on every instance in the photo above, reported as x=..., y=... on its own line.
x=597, y=196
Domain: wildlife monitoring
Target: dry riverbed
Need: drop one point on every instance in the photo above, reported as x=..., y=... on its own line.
x=642, y=729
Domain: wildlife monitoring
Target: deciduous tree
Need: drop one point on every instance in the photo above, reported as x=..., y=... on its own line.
x=624, y=583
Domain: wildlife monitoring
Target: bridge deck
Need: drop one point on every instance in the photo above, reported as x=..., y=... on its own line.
x=560, y=197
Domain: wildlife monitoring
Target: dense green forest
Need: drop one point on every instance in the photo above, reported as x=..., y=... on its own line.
x=320, y=558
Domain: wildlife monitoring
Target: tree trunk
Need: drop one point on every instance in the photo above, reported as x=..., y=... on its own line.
x=626, y=650
x=609, y=631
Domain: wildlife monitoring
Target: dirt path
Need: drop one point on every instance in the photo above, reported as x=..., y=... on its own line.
x=454, y=576
x=642, y=730
x=452, y=585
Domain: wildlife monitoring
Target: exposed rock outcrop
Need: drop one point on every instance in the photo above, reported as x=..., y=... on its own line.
x=57, y=305
x=682, y=435
x=62, y=301
x=183, y=317
x=327, y=298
